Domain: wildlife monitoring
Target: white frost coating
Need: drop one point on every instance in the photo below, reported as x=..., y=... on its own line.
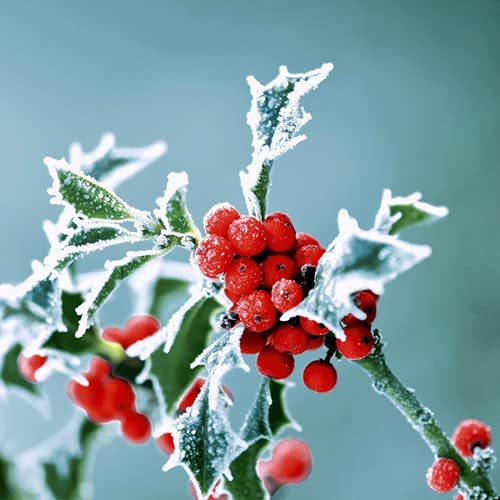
x=384, y=220
x=176, y=182
x=354, y=261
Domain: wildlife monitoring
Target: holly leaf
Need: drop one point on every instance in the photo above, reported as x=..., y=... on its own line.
x=401, y=212
x=275, y=120
x=9, y=372
x=8, y=490
x=354, y=261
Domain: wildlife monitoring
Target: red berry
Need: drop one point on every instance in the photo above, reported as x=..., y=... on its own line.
x=366, y=302
x=274, y=364
x=320, y=376
x=252, y=342
x=136, y=427
x=248, y=236
x=280, y=233
x=303, y=239
x=119, y=396
x=470, y=434
x=138, y=327
x=191, y=394
x=214, y=255
x=286, y=294
x=308, y=255
x=443, y=475
x=276, y=267
x=290, y=339
x=315, y=342
x=219, y=218
x=166, y=443
x=312, y=327
x=29, y=366
x=459, y=496
x=99, y=368
x=257, y=311
x=358, y=343
x=242, y=277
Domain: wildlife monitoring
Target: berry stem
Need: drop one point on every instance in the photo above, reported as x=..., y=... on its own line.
x=421, y=418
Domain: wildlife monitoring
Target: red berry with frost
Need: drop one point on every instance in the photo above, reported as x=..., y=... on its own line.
x=276, y=267
x=247, y=236
x=471, y=434
x=280, y=233
x=191, y=394
x=136, y=427
x=313, y=327
x=214, y=255
x=320, y=376
x=308, y=255
x=166, y=443
x=290, y=339
x=286, y=294
x=303, y=239
x=29, y=366
x=315, y=342
x=252, y=342
x=274, y=364
x=219, y=218
x=242, y=277
x=443, y=475
x=257, y=311
x=138, y=327
x=366, y=302
x=358, y=342
x=459, y=496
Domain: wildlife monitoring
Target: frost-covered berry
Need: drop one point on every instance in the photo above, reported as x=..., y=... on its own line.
x=303, y=239
x=313, y=327
x=166, y=443
x=252, y=342
x=274, y=364
x=320, y=376
x=276, y=267
x=257, y=311
x=459, y=496
x=219, y=218
x=290, y=339
x=136, y=427
x=228, y=320
x=471, y=434
x=358, y=342
x=366, y=302
x=243, y=276
x=315, y=342
x=286, y=294
x=138, y=327
x=191, y=394
x=214, y=255
x=308, y=255
x=280, y=233
x=443, y=475
x=29, y=366
x=247, y=236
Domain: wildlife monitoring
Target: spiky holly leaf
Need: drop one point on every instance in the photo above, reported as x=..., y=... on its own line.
x=354, y=261
x=275, y=120
x=401, y=212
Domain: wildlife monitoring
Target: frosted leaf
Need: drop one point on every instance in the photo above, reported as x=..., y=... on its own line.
x=355, y=260
x=275, y=120
x=172, y=210
x=112, y=165
x=399, y=213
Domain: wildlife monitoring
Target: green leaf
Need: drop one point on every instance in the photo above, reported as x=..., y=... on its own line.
x=275, y=119
x=8, y=490
x=85, y=195
x=9, y=372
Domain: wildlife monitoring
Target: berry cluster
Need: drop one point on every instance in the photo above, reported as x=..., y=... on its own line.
x=268, y=269
x=107, y=398
x=28, y=366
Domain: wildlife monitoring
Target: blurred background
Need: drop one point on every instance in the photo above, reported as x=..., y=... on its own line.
x=413, y=104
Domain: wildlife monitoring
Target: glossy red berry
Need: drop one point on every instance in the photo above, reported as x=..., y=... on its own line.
x=214, y=255
x=252, y=342
x=286, y=294
x=274, y=364
x=358, y=342
x=290, y=339
x=257, y=311
x=303, y=239
x=166, y=443
x=119, y=396
x=320, y=376
x=242, y=277
x=138, y=327
x=191, y=394
x=313, y=327
x=29, y=366
x=219, y=218
x=443, y=475
x=280, y=233
x=276, y=267
x=308, y=255
x=136, y=427
x=366, y=302
x=315, y=342
x=247, y=236
x=471, y=434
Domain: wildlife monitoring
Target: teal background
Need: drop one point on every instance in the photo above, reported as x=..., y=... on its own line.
x=413, y=104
